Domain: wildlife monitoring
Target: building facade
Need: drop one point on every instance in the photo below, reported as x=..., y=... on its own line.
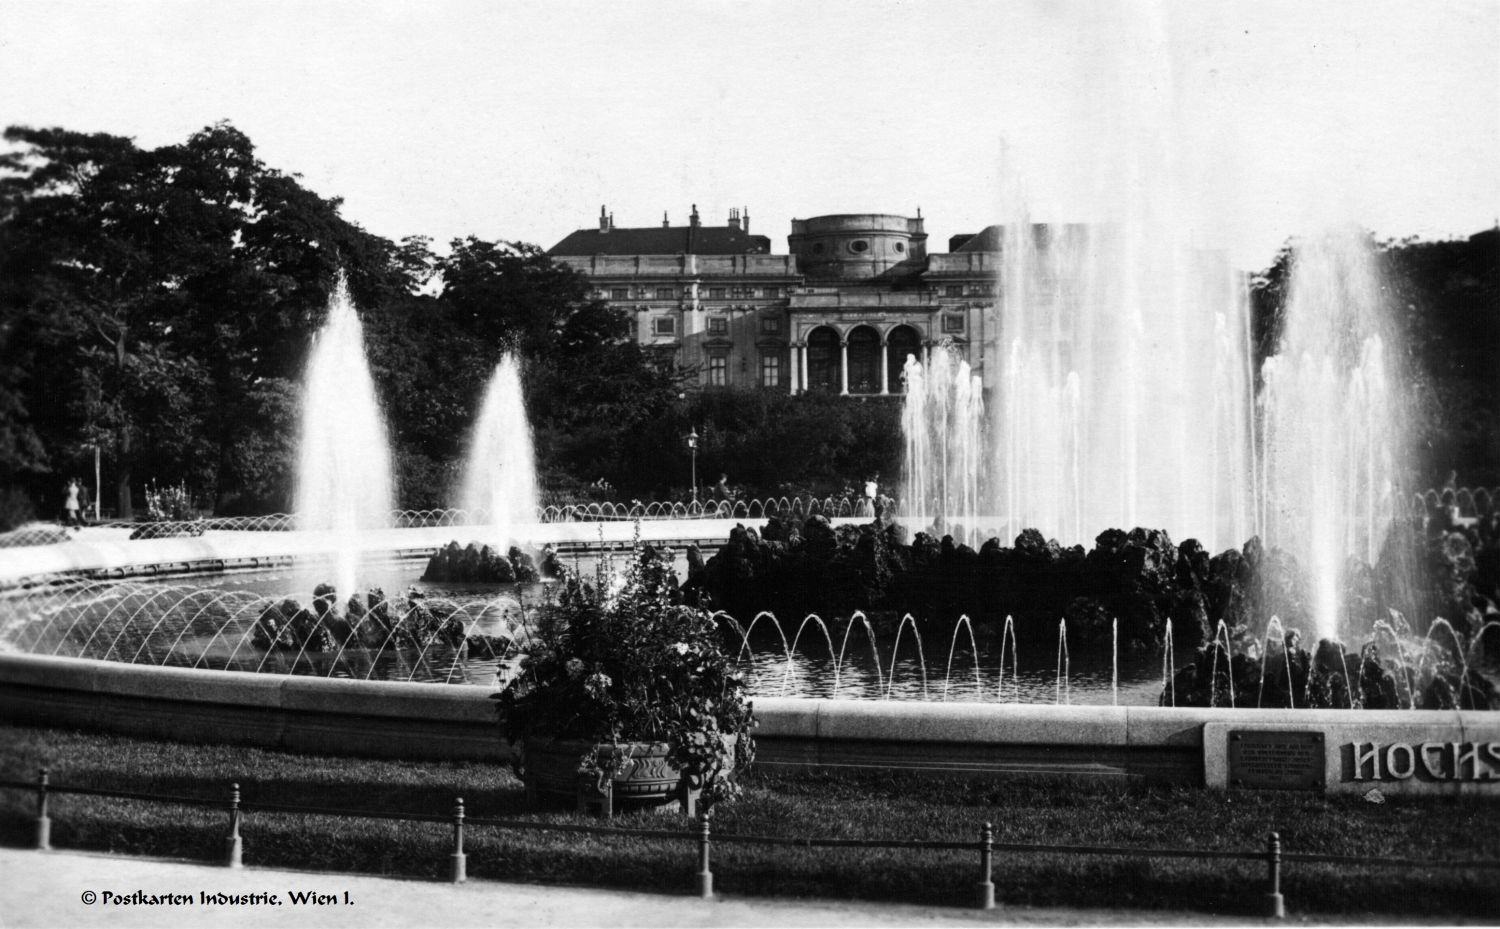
x=840, y=312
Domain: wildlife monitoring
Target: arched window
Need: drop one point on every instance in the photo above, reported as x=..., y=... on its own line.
x=902, y=341
x=864, y=361
x=823, y=360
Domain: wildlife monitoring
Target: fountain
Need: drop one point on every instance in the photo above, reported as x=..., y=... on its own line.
x=1122, y=396
x=1333, y=406
x=344, y=484
x=1079, y=433
x=1083, y=436
x=499, y=484
x=1117, y=391
x=941, y=425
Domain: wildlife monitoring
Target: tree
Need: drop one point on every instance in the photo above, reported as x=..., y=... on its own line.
x=172, y=293
x=109, y=234
x=589, y=386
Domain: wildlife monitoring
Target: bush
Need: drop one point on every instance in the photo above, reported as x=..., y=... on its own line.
x=633, y=665
x=172, y=503
x=16, y=508
x=768, y=443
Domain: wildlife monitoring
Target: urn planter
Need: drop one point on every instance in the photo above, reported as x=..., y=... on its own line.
x=626, y=772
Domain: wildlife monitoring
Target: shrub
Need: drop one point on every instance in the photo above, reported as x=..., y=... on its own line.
x=172, y=503
x=15, y=508
x=633, y=664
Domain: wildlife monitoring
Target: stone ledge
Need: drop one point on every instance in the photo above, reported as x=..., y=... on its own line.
x=439, y=702
x=190, y=685
x=1155, y=744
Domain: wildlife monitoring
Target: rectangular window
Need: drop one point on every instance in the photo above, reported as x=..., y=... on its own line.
x=954, y=290
x=718, y=370
x=718, y=325
x=952, y=322
x=770, y=370
x=619, y=293
x=771, y=293
x=716, y=293
x=666, y=293
x=770, y=324
x=663, y=325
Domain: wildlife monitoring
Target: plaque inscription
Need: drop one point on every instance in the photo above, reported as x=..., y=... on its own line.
x=1276, y=760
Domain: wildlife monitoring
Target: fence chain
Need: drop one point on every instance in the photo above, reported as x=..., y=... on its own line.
x=1274, y=904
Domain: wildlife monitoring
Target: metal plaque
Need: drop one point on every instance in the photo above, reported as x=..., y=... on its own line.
x=1276, y=760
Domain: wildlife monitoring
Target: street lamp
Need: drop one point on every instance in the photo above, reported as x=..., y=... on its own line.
x=692, y=444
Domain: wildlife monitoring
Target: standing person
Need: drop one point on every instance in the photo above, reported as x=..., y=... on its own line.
x=85, y=501
x=721, y=489
x=70, y=502
x=872, y=487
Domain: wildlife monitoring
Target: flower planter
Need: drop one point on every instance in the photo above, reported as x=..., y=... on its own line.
x=633, y=772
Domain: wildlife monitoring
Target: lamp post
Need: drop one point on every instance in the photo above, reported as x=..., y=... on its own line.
x=692, y=444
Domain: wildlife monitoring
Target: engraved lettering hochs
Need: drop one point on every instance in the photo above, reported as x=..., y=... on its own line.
x=1440, y=761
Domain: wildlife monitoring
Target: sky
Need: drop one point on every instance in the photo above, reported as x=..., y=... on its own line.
x=1245, y=121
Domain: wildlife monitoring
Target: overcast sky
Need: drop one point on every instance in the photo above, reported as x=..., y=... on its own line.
x=1253, y=121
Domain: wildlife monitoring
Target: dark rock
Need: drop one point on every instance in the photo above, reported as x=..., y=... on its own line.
x=521, y=567
x=1089, y=623
x=273, y=626
x=488, y=646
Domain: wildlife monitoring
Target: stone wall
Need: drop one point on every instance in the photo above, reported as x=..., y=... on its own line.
x=1428, y=752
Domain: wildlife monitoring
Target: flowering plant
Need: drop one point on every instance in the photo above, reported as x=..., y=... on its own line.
x=170, y=503
x=632, y=664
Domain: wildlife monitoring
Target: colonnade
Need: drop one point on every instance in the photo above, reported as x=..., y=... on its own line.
x=799, y=373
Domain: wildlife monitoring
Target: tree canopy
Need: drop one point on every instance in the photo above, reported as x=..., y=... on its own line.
x=158, y=304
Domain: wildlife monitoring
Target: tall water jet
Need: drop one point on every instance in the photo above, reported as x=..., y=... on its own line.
x=1123, y=395
x=344, y=483
x=499, y=483
x=1337, y=441
x=1117, y=352
x=1122, y=376
x=941, y=421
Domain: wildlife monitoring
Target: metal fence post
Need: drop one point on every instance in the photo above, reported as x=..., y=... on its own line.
x=1275, y=907
x=705, y=876
x=985, y=896
x=43, y=824
x=233, y=848
x=459, y=870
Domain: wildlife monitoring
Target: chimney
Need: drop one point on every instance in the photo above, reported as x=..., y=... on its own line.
x=603, y=219
x=734, y=218
x=665, y=223
x=611, y=219
x=693, y=219
x=745, y=220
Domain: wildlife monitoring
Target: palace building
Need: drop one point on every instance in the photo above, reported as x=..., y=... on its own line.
x=855, y=295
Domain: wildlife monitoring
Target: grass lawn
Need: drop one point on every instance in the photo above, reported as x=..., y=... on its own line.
x=824, y=805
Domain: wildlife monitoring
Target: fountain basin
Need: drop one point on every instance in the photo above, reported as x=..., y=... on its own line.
x=111, y=551
x=433, y=721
